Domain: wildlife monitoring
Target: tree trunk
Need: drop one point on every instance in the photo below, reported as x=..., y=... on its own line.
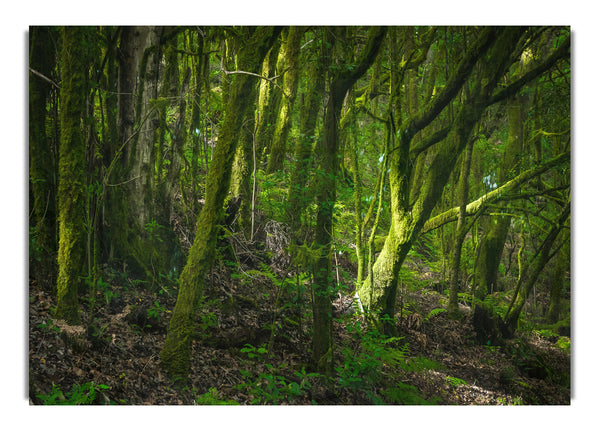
x=558, y=278
x=408, y=218
x=268, y=101
x=132, y=187
x=460, y=232
x=71, y=195
x=322, y=354
x=42, y=163
x=491, y=246
x=243, y=168
x=304, y=146
x=291, y=52
x=523, y=290
x=175, y=355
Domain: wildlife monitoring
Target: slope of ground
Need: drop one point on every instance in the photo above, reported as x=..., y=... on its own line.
x=254, y=348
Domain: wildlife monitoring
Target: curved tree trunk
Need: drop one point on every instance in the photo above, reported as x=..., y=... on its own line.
x=460, y=232
x=491, y=246
x=175, y=355
x=408, y=219
x=523, y=290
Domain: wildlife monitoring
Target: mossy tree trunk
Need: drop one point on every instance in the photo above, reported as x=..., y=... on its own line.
x=460, y=232
x=341, y=82
x=132, y=207
x=201, y=77
x=175, y=355
x=244, y=169
x=71, y=179
x=291, y=53
x=268, y=101
x=561, y=272
x=42, y=161
x=533, y=270
x=303, y=152
x=244, y=166
x=491, y=245
x=358, y=189
x=409, y=215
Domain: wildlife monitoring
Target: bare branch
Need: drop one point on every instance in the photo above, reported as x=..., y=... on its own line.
x=242, y=72
x=44, y=77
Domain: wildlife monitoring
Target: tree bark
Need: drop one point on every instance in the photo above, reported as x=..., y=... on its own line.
x=303, y=152
x=42, y=163
x=291, y=52
x=71, y=180
x=558, y=278
x=132, y=203
x=408, y=220
x=175, y=355
x=342, y=81
x=523, y=289
x=491, y=246
x=460, y=232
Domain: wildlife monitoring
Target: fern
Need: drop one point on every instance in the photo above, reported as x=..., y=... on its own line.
x=211, y=398
x=455, y=381
x=435, y=312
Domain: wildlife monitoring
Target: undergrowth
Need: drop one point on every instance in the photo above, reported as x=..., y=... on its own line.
x=83, y=394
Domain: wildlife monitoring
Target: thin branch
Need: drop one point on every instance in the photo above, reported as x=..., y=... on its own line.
x=544, y=133
x=124, y=182
x=242, y=72
x=44, y=77
x=562, y=51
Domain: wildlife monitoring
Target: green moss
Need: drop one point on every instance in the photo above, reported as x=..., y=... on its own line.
x=175, y=355
x=71, y=176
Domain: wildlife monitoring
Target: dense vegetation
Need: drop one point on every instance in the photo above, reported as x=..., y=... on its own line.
x=299, y=215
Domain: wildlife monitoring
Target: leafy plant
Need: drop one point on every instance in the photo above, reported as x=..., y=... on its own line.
x=253, y=352
x=403, y=393
x=156, y=310
x=363, y=370
x=207, y=320
x=212, y=398
x=79, y=395
x=49, y=326
x=153, y=229
x=435, y=312
x=564, y=343
x=455, y=381
x=270, y=387
x=105, y=289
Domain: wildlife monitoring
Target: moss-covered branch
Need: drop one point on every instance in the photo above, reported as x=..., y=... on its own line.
x=487, y=199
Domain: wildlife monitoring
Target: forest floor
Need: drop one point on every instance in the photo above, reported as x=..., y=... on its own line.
x=255, y=349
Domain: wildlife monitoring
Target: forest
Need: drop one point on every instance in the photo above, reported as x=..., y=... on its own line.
x=299, y=215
